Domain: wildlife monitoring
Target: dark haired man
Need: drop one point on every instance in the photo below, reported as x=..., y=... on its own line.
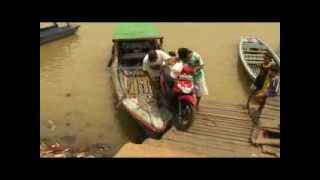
x=194, y=60
x=272, y=87
x=153, y=61
x=264, y=71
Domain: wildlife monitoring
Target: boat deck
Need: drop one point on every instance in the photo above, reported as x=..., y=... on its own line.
x=138, y=84
x=219, y=130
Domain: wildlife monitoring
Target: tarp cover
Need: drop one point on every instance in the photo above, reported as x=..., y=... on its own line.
x=135, y=31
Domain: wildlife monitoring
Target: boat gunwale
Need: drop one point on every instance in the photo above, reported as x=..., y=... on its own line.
x=71, y=27
x=47, y=28
x=245, y=64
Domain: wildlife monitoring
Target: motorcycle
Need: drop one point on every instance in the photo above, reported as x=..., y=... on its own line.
x=179, y=95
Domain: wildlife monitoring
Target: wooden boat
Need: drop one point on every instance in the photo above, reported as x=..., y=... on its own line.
x=55, y=32
x=134, y=89
x=252, y=50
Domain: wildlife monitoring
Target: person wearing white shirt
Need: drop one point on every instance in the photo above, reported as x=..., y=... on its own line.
x=153, y=61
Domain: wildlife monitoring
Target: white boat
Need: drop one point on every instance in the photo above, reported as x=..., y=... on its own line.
x=252, y=51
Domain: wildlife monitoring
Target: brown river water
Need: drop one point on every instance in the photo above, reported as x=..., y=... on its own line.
x=76, y=95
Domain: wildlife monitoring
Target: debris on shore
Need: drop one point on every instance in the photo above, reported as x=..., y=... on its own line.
x=57, y=150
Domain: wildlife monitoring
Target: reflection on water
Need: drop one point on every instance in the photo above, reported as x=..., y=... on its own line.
x=57, y=53
x=76, y=95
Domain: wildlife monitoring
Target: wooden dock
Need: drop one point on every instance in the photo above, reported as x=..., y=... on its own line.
x=266, y=133
x=219, y=130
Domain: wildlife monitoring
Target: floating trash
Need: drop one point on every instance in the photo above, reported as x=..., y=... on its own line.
x=52, y=126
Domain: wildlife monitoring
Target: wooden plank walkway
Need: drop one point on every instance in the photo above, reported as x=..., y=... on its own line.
x=219, y=130
x=267, y=132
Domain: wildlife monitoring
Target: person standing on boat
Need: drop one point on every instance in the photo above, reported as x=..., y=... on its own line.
x=271, y=86
x=264, y=70
x=153, y=62
x=194, y=60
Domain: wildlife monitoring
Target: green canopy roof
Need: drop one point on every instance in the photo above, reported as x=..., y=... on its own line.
x=135, y=31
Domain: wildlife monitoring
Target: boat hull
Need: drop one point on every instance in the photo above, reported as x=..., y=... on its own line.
x=55, y=33
x=130, y=104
